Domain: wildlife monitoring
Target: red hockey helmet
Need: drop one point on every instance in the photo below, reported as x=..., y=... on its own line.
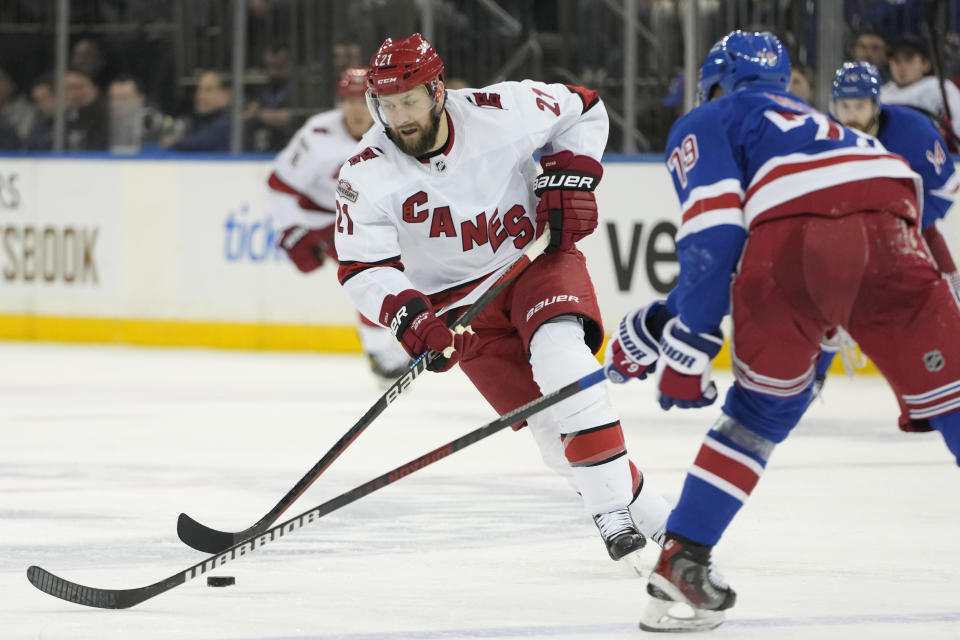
x=401, y=65
x=352, y=83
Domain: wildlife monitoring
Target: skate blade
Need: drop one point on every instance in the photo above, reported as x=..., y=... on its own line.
x=642, y=561
x=665, y=616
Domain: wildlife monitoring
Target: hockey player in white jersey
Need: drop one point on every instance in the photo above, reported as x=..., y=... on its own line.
x=437, y=200
x=301, y=196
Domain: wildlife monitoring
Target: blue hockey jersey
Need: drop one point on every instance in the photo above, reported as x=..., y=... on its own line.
x=756, y=155
x=911, y=134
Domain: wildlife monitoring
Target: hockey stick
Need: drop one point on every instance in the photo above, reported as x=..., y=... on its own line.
x=125, y=598
x=208, y=540
x=932, y=35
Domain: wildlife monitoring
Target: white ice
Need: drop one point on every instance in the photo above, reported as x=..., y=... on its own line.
x=853, y=532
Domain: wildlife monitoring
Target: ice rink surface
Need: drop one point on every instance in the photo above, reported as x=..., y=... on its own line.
x=853, y=532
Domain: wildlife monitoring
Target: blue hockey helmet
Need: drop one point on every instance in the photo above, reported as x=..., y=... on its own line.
x=741, y=59
x=856, y=80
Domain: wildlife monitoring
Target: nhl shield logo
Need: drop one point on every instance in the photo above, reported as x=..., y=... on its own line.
x=440, y=165
x=933, y=360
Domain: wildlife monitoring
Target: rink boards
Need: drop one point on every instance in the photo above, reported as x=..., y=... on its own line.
x=169, y=251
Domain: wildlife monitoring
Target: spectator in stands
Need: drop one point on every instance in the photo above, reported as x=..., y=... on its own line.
x=40, y=136
x=133, y=123
x=801, y=81
x=269, y=116
x=913, y=85
x=210, y=128
x=456, y=83
x=87, y=56
x=347, y=54
x=15, y=109
x=870, y=46
x=126, y=114
x=87, y=122
x=9, y=140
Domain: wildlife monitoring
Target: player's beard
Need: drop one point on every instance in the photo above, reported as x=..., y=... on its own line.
x=423, y=143
x=854, y=124
x=869, y=127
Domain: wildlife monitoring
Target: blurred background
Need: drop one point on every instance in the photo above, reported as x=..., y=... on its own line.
x=134, y=76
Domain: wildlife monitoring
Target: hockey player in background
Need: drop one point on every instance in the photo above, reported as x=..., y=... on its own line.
x=834, y=240
x=912, y=135
x=437, y=201
x=301, y=200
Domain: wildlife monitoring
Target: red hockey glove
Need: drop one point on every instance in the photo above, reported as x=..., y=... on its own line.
x=684, y=381
x=634, y=351
x=305, y=246
x=567, y=204
x=414, y=323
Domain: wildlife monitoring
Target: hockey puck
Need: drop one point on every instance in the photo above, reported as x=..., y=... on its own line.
x=220, y=581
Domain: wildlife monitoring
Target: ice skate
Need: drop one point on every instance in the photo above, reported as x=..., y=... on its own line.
x=644, y=560
x=388, y=360
x=388, y=369
x=619, y=533
x=685, y=578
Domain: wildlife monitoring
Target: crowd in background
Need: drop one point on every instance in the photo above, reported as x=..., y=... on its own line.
x=113, y=111
x=128, y=90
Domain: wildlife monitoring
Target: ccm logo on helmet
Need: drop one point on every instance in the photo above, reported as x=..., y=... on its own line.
x=565, y=181
x=549, y=301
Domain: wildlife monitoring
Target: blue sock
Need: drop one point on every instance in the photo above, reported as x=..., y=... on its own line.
x=949, y=427
x=724, y=473
x=824, y=362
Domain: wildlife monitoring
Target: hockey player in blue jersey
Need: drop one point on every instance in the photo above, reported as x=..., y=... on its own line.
x=794, y=225
x=910, y=134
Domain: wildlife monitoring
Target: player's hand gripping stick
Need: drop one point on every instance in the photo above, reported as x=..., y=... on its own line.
x=567, y=204
x=683, y=380
x=414, y=323
x=634, y=351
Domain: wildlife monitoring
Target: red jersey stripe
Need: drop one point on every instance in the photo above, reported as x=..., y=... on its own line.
x=724, y=201
x=800, y=167
x=349, y=269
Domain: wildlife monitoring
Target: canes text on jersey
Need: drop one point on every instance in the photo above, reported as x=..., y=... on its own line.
x=483, y=229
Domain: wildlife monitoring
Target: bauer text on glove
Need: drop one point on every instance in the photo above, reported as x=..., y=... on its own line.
x=683, y=379
x=633, y=351
x=567, y=204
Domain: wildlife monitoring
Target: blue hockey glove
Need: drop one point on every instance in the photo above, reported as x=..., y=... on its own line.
x=683, y=379
x=633, y=351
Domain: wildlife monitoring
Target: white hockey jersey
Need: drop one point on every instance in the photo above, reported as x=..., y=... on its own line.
x=443, y=225
x=304, y=178
x=925, y=94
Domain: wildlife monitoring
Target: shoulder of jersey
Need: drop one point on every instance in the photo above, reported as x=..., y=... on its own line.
x=907, y=116
x=493, y=99
x=325, y=123
x=370, y=168
x=709, y=114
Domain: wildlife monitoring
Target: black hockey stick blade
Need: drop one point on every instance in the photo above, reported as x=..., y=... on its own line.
x=125, y=598
x=209, y=540
x=94, y=597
